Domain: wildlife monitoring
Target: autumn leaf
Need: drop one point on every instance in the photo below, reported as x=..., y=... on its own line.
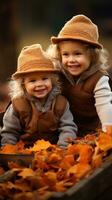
x=82, y=152
x=96, y=161
x=25, y=196
x=15, y=149
x=9, y=148
x=39, y=145
x=51, y=177
x=80, y=170
x=104, y=142
x=26, y=172
x=60, y=186
x=67, y=161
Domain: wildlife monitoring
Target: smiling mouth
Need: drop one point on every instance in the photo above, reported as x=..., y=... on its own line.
x=74, y=68
x=40, y=91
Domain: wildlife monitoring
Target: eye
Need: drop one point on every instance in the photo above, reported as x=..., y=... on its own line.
x=32, y=80
x=45, y=78
x=65, y=54
x=78, y=53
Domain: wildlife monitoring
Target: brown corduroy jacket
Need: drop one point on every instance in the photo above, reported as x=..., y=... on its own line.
x=38, y=125
x=82, y=102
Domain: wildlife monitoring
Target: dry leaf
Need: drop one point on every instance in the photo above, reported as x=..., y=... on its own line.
x=26, y=172
x=80, y=170
x=104, y=142
x=39, y=145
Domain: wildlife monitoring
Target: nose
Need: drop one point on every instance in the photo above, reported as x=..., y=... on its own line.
x=71, y=58
x=39, y=83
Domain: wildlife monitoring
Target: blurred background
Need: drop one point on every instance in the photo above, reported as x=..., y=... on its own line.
x=25, y=22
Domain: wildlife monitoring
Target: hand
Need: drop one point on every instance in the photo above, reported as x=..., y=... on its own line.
x=62, y=146
x=26, y=136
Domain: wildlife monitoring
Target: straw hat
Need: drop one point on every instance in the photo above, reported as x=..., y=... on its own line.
x=80, y=28
x=33, y=59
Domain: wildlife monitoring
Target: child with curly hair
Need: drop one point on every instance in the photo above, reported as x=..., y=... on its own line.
x=37, y=110
x=84, y=74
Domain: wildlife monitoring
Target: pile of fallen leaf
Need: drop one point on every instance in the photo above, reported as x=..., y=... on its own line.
x=53, y=169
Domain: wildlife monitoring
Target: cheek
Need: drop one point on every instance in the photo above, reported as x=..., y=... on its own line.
x=50, y=87
x=85, y=60
x=28, y=88
x=88, y=63
x=63, y=60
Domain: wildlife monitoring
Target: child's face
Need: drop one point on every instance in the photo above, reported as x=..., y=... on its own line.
x=75, y=57
x=38, y=84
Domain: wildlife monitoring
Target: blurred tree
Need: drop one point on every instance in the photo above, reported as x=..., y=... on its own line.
x=8, y=38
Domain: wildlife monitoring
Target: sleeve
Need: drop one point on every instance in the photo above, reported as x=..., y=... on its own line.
x=10, y=132
x=103, y=101
x=67, y=128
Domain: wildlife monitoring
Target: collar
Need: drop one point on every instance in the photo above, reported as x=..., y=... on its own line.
x=52, y=95
x=75, y=80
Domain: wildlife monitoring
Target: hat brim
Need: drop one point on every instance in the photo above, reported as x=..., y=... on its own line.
x=17, y=75
x=56, y=40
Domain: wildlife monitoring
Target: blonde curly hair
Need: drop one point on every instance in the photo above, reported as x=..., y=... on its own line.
x=99, y=57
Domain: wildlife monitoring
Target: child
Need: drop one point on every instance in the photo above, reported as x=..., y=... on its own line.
x=84, y=64
x=38, y=110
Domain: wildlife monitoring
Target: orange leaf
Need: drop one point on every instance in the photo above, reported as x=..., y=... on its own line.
x=9, y=148
x=96, y=161
x=26, y=172
x=80, y=170
x=67, y=161
x=39, y=145
x=104, y=142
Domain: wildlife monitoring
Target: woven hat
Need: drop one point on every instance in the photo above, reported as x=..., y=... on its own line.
x=80, y=28
x=33, y=59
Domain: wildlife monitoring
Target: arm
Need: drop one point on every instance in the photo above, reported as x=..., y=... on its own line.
x=67, y=128
x=11, y=127
x=103, y=103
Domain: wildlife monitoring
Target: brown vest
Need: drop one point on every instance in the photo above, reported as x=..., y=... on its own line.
x=82, y=103
x=37, y=124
